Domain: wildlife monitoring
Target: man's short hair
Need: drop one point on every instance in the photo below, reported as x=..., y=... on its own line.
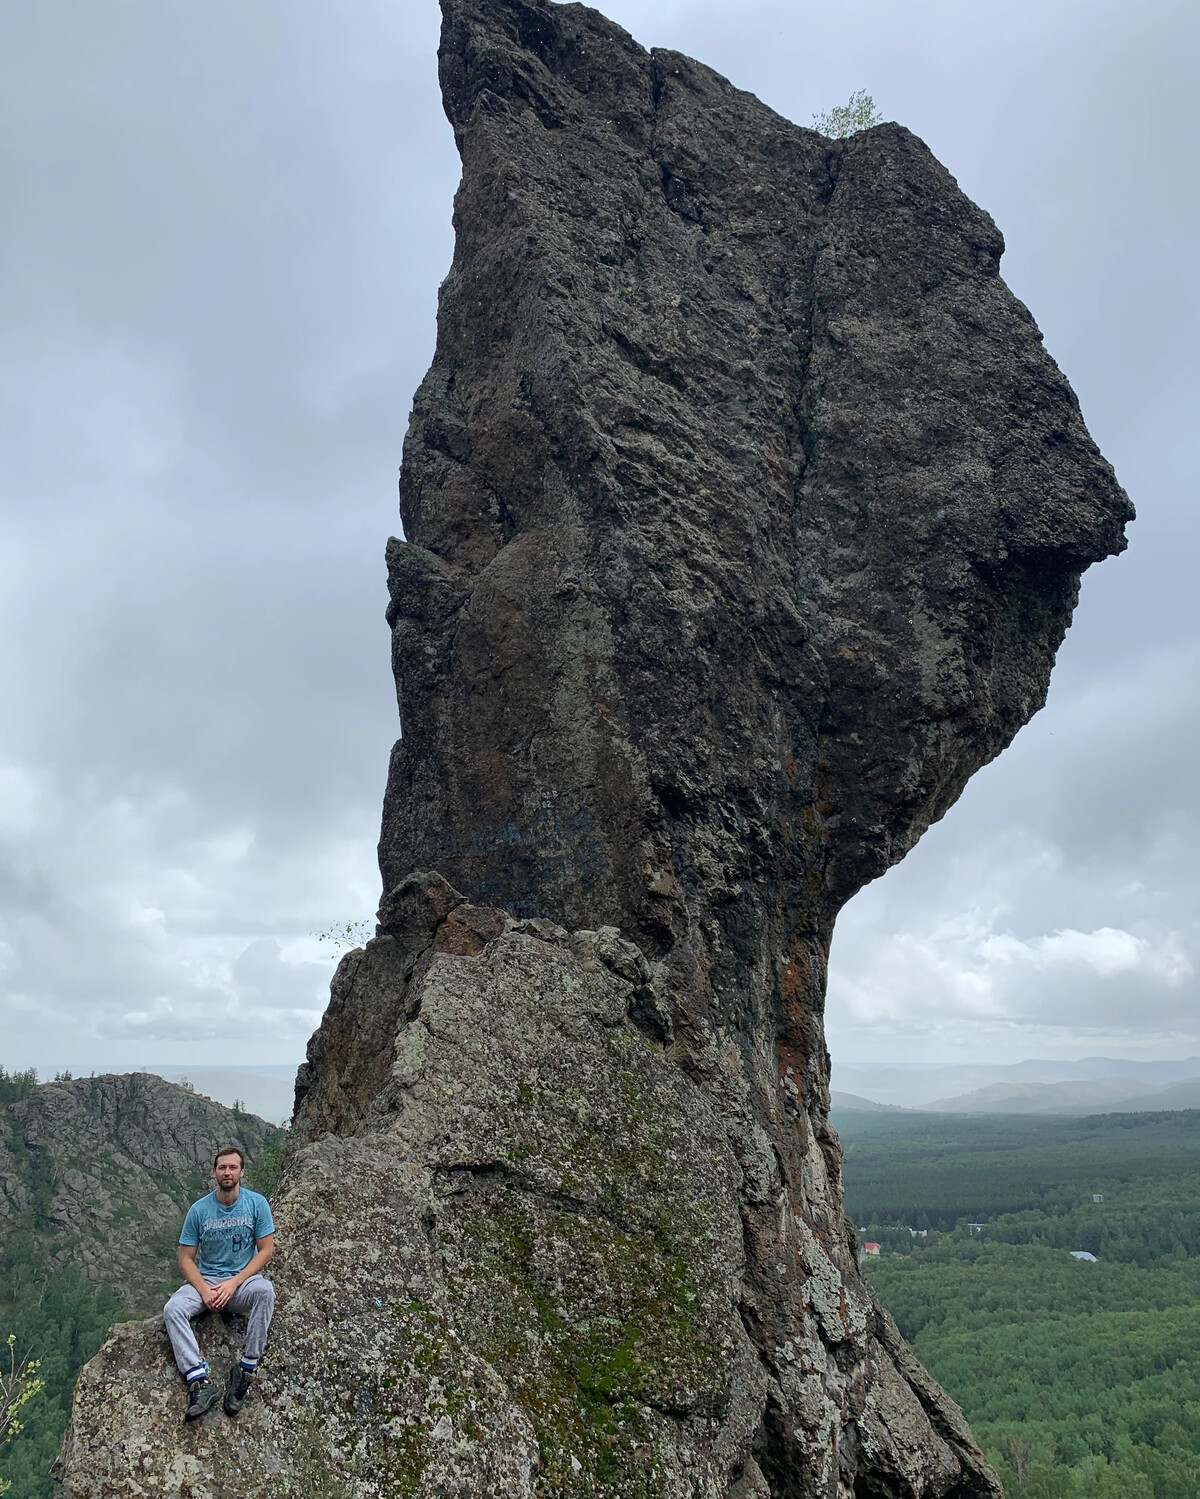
x=230, y=1150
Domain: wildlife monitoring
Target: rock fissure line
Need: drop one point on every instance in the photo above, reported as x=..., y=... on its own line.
x=482, y=1175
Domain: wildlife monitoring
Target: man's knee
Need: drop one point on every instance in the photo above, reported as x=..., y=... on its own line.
x=260, y=1292
x=180, y=1309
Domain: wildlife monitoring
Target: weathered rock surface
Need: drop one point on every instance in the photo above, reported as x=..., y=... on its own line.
x=526, y=1272
x=745, y=514
x=101, y=1170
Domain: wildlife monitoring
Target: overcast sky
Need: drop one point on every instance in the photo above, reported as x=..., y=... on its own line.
x=223, y=231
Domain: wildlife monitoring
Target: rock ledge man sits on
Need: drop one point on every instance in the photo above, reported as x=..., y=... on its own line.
x=226, y=1240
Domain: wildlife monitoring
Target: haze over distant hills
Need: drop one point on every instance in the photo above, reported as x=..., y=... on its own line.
x=1094, y=1085
x=862, y=1105
x=1104, y=1095
x=266, y=1090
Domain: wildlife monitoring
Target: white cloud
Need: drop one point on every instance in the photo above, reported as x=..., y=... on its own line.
x=143, y=930
x=1105, y=952
x=913, y=958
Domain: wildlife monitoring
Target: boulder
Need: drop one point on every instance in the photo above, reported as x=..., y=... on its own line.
x=526, y=1273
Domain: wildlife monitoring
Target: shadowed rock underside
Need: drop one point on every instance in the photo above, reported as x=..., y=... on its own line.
x=745, y=513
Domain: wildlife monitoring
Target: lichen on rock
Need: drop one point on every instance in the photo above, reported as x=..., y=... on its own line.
x=744, y=515
x=522, y=1269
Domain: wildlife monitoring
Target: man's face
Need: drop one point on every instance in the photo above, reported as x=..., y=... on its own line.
x=228, y=1172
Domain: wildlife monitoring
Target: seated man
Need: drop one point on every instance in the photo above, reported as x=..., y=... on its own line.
x=227, y=1238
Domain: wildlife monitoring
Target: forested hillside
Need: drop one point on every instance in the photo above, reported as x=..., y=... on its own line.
x=95, y=1175
x=1082, y=1380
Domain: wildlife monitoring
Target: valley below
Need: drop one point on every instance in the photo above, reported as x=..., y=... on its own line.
x=1080, y=1377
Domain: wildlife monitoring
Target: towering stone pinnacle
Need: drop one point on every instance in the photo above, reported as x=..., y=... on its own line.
x=744, y=514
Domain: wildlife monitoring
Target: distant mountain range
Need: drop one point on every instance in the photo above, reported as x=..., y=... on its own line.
x=862, y=1105
x=1103, y=1095
x=1096, y=1085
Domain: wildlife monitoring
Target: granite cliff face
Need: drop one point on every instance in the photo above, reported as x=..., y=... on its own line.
x=745, y=513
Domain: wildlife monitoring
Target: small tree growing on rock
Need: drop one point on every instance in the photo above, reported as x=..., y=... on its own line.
x=19, y=1383
x=847, y=119
x=347, y=934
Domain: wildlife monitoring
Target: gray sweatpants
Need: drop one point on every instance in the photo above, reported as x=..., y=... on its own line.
x=255, y=1297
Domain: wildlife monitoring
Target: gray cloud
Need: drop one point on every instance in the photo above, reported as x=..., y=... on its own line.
x=223, y=232
x=1054, y=910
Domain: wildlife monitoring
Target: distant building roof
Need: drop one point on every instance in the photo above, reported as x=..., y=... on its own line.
x=871, y=1247
x=1082, y=1254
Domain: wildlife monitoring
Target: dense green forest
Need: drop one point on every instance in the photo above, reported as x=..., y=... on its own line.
x=57, y=1316
x=1081, y=1380
x=60, y=1319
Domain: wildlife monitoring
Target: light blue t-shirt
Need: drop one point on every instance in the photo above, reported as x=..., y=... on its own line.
x=226, y=1235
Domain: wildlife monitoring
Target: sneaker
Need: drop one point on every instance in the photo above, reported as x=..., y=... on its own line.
x=202, y=1396
x=237, y=1387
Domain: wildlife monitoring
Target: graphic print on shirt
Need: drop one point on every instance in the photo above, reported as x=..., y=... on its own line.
x=226, y=1238
x=225, y=1241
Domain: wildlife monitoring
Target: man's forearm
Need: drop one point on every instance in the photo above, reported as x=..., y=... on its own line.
x=191, y=1273
x=255, y=1265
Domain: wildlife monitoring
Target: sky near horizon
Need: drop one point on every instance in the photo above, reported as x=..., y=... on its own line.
x=223, y=232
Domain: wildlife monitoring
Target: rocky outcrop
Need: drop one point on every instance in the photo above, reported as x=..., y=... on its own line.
x=102, y=1169
x=744, y=515
x=527, y=1271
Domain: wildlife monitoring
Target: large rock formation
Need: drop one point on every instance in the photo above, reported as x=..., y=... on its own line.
x=744, y=514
